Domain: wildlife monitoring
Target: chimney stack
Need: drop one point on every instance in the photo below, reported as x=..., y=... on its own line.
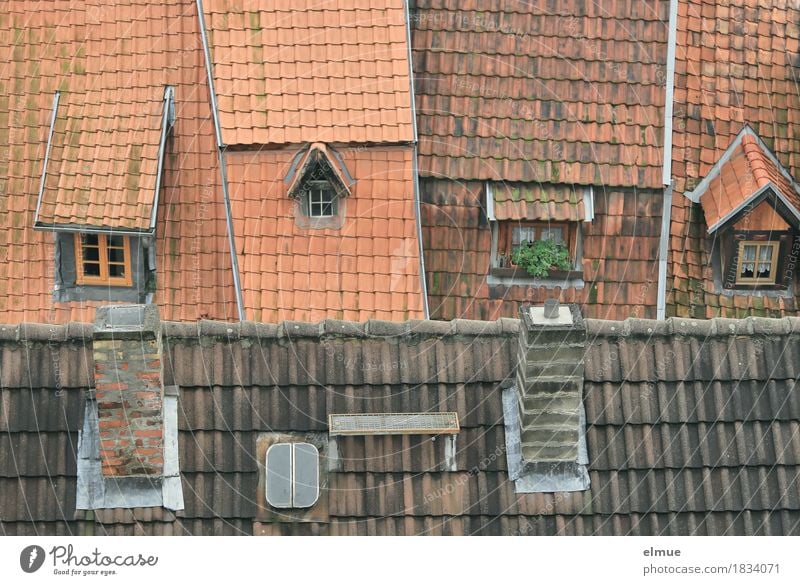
x=129, y=389
x=552, y=343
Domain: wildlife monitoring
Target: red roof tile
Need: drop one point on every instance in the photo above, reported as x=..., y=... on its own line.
x=369, y=268
x=746, y=72
x=537, y=202
x=744, y=170
x=113, y=59
x=308, y=71
x=103, y=162
x=568, y=92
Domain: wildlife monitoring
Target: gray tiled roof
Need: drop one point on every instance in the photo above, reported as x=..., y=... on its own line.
x=693, y=427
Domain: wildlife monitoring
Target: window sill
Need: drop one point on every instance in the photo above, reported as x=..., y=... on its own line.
x=520, y=277
x=522, y=274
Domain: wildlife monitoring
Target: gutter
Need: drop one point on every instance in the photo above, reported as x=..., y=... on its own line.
x=56, y=97
x=417, y=212
x=237, y=285
x=415, y=137
x=663, y=254
x=168, y=119
x=415, y=168
x=666, y=176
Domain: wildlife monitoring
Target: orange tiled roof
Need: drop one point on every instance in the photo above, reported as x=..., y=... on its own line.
x=311, y=70
x=367, y=269
x=537, y=202
x=104, y=159
x=567, y=92
x=736, y=62
x=117, y=56
x=318, y=153
x=745, y=169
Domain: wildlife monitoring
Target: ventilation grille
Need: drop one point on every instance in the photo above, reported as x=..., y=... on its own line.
x=409, y=423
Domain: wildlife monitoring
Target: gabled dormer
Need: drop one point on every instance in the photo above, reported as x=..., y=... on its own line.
x=752, y=208
x=319, y=181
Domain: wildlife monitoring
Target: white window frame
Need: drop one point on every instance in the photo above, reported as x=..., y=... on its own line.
x=292, y=477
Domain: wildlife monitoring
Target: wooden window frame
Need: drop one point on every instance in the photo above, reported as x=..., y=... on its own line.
x=104, y=279
x=731, y=256
x=773, y=270
x=569, y=233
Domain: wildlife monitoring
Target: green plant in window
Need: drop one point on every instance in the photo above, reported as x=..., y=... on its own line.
x=541, y=256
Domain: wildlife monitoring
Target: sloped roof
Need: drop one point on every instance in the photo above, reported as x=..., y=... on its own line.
x=691, y=428
x=568, y=92
x=745, y=169
x=111, y=61
x=105, y=157
x=330, y=71
x=735, y=63
x=534, y=201
x=368, y=268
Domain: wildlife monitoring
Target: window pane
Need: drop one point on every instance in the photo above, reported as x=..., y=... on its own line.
x=89, y=240
x=765, y=253
x=116, y=271
x=749, y=253
x=116, y=255
x=306, y=475
x=116, y=241
x=91, y=254
x=555, y=234
x=764, y=269
x=321, y=203
x=523, y=234
x=279, y=475
x=91, y=269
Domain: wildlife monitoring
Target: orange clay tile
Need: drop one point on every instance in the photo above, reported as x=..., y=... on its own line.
x=747, y=168
x=108, y=60
x=515, y=90
x=330, y=265
x=534, y=201
x=305, y=52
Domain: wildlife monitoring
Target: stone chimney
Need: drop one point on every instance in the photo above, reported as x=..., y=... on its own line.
x=552, y=343
x=129, y=389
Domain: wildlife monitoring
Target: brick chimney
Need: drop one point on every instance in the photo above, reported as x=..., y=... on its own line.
x=129, y=389
x=552, y=343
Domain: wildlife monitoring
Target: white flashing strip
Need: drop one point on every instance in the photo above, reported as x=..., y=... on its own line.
x=666, y=176
x=663, y=254
x=588, y=203
x=56, y=97
x=237, y=284
x=168, y=119
x=490, y=201
x=411, y=73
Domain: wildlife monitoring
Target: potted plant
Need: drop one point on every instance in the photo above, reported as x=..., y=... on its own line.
x=540, y=257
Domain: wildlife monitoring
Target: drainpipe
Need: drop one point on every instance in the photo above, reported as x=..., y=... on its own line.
x=666, y=211
x=237, y=285
x=415, y=169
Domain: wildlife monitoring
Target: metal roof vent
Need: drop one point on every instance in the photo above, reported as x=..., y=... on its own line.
x=292, y=475
x=409, y=423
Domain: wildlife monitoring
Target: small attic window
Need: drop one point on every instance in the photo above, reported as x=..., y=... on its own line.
x=319, y=199
x=319, y=183
x=103, y=260
x=292, y=471
x=757, y=262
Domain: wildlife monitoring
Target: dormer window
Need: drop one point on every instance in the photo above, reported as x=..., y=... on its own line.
x=319, y=182
x=319, y=199
x=757, y=262
x=752, y=208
